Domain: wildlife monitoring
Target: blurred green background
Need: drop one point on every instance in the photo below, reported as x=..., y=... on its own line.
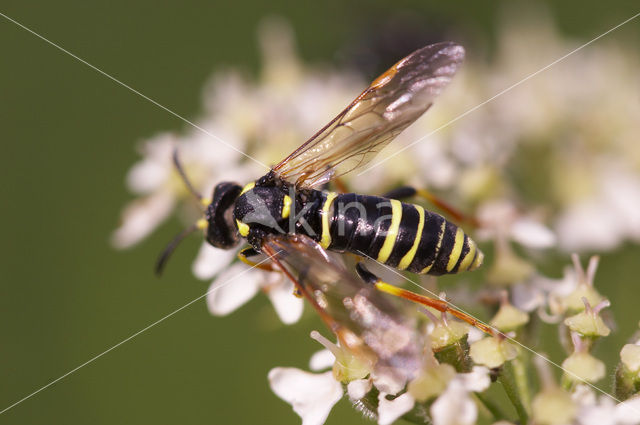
x=68, y=138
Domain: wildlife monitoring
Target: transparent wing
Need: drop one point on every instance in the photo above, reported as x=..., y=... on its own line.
x=361, y=317
x=389, y=105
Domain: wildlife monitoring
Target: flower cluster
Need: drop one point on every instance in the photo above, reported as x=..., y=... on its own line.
x=552, y=164
x=460, y=365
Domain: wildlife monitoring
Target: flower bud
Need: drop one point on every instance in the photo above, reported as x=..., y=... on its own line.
x=630, y=357
x=446, y=333
x=508, y=268
x=431, y=382
x=574, y=303
x=348, y=366
x=509, y=318
x=553, y=406
x=449, y=342
x=589, y=323
x=492, y=352
x=582, y=366
x=627, y=379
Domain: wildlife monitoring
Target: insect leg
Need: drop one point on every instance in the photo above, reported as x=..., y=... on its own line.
x=248, y=252
x=336, y=185
x=340, y=185
x=409, y=192
x=440, y=305
x=300, y=288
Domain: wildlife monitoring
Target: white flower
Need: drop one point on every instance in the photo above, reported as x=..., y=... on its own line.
x=604, y=410
x=147, y=178
x=455, y=406
x=532, y=294
x=141, y=217
x=604, y=220
x=390, y=410
x=359, y=388
x=155, y=179
x=500, y=218
x=223, y=298
x=211, y=260
x=312, y=396
x=554, y=297
x=501, y=222
x=321, y=360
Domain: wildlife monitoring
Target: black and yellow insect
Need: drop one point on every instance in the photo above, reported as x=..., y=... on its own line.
x=287, y=215
x=400, y=235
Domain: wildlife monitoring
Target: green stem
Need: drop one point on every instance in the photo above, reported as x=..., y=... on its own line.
x=492, y=407
x=508, y=380
x=522, y=381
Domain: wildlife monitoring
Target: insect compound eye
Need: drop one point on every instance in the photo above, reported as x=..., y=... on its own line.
x=221, y=232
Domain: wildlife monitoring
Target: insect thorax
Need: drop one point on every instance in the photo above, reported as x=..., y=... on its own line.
x=274, y=207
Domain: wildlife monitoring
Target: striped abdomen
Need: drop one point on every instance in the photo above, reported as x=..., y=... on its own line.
x=403, y=236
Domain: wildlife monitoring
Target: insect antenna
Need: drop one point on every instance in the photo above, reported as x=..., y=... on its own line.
x=200, y=224
x=171, y=246
x=183, y=175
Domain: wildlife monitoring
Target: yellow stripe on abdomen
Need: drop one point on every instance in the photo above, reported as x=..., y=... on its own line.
x=325, y=239
x=478, y=260
x=454, y=256
x=409, y=256
x=468, y=258
x=392, y=233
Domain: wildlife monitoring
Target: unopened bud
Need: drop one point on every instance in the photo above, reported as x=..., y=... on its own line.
x=492, y=352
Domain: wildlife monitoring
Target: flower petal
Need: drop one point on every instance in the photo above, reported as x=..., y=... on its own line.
x=141, y=217
x=322, y=359
x=454, y=406
x=227, y=293
x=527, y=296
x=604, y=227
x=390, y=410
x=530, y=233
x=156, y=167
x=477, y=380
x=628, y=412
x=288, y=306
x=148, y=175
x=211, y=260
x=602, y=414
x=358, y=388
x=311, y=395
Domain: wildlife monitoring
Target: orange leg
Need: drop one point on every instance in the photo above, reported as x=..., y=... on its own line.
x=247, y=252
x=340, y=185
x=440, y=305
x=454, y=213
x=302, y=291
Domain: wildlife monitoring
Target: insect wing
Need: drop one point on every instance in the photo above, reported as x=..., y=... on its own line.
x=356, y=312
x=389, y=105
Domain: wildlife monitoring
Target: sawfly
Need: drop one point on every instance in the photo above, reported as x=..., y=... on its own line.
x=288, y=218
